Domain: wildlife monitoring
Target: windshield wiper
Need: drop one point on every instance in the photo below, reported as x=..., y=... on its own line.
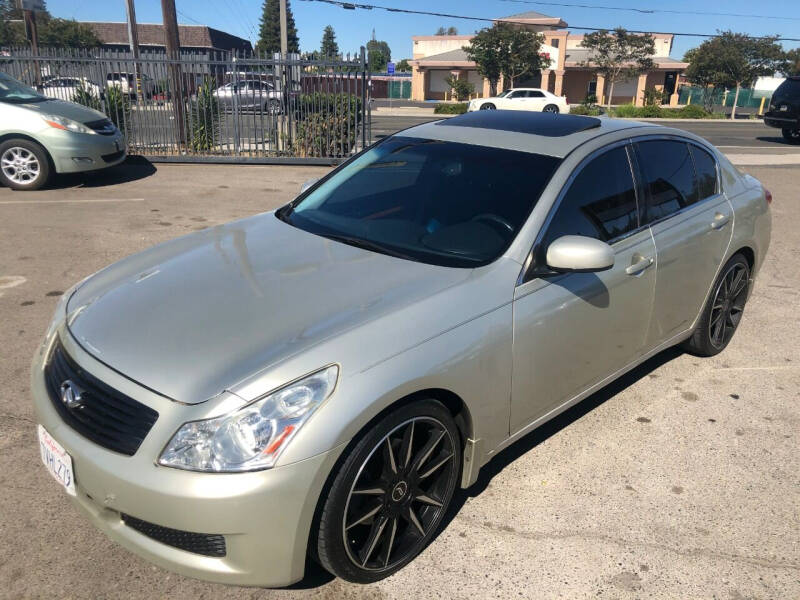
x=367, y=245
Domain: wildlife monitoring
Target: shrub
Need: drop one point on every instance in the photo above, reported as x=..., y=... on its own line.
x=626, y=111
x=586, y=109
x=462, y=89
x=327, y=124
x=649, y=112
x=450, y=109
x=86, y=97
x=118, y=108
x=204, y=117
x=694, y=111
x=655, y=98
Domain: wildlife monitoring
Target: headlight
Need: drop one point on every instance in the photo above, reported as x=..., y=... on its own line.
x=252, y=437
x=66, y=124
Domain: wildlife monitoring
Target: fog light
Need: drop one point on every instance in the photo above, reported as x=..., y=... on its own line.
x=82, y=159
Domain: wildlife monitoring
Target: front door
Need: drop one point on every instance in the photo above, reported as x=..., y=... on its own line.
x=573, y=330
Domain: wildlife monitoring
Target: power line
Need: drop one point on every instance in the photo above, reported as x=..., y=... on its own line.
x=654, y=10
x=188, y=18
x=353, y=6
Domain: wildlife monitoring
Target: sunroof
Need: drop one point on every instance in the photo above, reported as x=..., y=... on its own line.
x=537, y=123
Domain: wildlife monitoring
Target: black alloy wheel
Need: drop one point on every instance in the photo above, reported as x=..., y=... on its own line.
x=391, y=494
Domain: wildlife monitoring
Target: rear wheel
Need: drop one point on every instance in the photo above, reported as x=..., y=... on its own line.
x=723, y=311
x=273, y=106
x=792, y=135
x=23, y=165
x=551, y=108
x=488, y=106
x=391, y=493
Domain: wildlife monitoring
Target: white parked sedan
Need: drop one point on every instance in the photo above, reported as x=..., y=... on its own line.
x=533, y=99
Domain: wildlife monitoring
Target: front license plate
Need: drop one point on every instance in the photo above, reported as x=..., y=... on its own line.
x=57, y=461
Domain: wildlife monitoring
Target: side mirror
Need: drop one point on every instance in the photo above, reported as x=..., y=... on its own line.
x=307, y=184
x=579, y=254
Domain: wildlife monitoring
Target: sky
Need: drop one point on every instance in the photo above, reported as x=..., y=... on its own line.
x=354, y=28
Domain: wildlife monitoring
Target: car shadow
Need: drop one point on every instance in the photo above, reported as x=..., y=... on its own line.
x=317, y=576
x=133, y=168
x=777, y=140
x=552, y=427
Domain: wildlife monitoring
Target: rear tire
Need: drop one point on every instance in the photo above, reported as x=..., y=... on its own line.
x=551, y=108
x=390, y=494
x=791, y=135
x=488, y=106
x=723, y=311
x=24, y=165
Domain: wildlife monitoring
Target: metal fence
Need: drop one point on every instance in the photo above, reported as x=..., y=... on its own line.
x=213, y=105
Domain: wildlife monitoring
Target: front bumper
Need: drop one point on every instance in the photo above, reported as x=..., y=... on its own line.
x=77, y=152
x=782, y=121
x=264, y=516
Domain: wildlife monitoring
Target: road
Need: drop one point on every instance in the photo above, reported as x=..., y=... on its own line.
x=678, y=481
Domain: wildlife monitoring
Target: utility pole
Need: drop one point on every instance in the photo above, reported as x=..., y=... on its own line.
x=173, y=46
x=284, y=30
x=133, y=40
x=33, y=37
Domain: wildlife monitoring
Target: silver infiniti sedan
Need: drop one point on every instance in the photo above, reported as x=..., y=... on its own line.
x=318, y=380
x=41, y=136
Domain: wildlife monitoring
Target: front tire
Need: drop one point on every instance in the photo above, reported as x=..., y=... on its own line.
x=24, y=165
x=791, y=135
x=488, y=106
x=390, y=494
x=723, y=311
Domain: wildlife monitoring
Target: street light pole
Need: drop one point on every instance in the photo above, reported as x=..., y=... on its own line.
x=133, y=41
x=173, y=47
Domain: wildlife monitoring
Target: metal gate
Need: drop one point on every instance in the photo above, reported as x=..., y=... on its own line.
x=213, y=106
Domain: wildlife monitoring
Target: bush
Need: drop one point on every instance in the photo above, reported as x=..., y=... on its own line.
x=649, y=112
x=204, y=117
x=86, y=97
x=626, y=111
x=694, y=111
x=118, y=108
x=462, y=89
x=450, y=109
x=586, y=109
x=327, y=124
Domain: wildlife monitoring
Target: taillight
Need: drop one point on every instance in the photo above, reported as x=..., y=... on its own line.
x=768, y=196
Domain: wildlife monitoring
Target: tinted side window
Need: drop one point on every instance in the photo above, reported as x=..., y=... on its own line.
x=668, y=177
x=535, y=94
x=600, y=202
x=706, y=168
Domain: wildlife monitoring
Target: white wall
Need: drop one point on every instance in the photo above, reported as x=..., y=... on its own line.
x=437, y=81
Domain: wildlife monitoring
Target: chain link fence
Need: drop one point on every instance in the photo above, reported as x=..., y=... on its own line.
x=215, y=106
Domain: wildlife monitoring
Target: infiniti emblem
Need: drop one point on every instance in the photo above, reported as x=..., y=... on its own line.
x=399, y=491
x=71, y=395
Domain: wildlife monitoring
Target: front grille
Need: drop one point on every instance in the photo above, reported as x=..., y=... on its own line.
x=207, y=544
x=102, y=126
x=103, y=415
x=113, y=156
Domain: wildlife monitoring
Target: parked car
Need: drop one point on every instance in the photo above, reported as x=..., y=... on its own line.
x=250, y=94
x=65, y=88
x=319, y=379
x=784, y=109
x=40, y=136
x=126, y=82
x=522, y=99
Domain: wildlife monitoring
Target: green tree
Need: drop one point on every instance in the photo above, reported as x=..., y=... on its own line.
x=734, y=60
x=462, y=89
x=269, y=34
x=791, y=62
x=378, y=55
x=618, y=55
x=446, y=31
x=508, y=51
x=403, y=66
x=52, y=31
x=329, y=47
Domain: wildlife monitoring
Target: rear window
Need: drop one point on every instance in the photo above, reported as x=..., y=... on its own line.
x=788, y=91
x=669, y=177
x=431, y=201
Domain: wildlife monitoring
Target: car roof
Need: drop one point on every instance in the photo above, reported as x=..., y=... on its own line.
x=540, y=133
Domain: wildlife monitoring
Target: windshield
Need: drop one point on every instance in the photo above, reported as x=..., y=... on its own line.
x=503, y=94
x=431, y=201
x=788, y=91
x=15, y=92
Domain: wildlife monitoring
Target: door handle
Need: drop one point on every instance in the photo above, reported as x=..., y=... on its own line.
x=720, y=221
x=639, y=266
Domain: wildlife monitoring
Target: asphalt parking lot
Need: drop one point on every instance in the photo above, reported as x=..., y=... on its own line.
x=682, y=480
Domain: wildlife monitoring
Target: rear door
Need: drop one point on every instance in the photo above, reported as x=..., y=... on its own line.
x=536, y=100
x=691, y=221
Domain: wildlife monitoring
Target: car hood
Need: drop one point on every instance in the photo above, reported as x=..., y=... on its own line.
x=192, y=317
x=62, y=108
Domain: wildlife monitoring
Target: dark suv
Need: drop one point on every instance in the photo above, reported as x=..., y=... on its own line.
x=784, y=109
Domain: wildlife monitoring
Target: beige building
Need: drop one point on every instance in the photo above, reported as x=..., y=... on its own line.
x=436, y=57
